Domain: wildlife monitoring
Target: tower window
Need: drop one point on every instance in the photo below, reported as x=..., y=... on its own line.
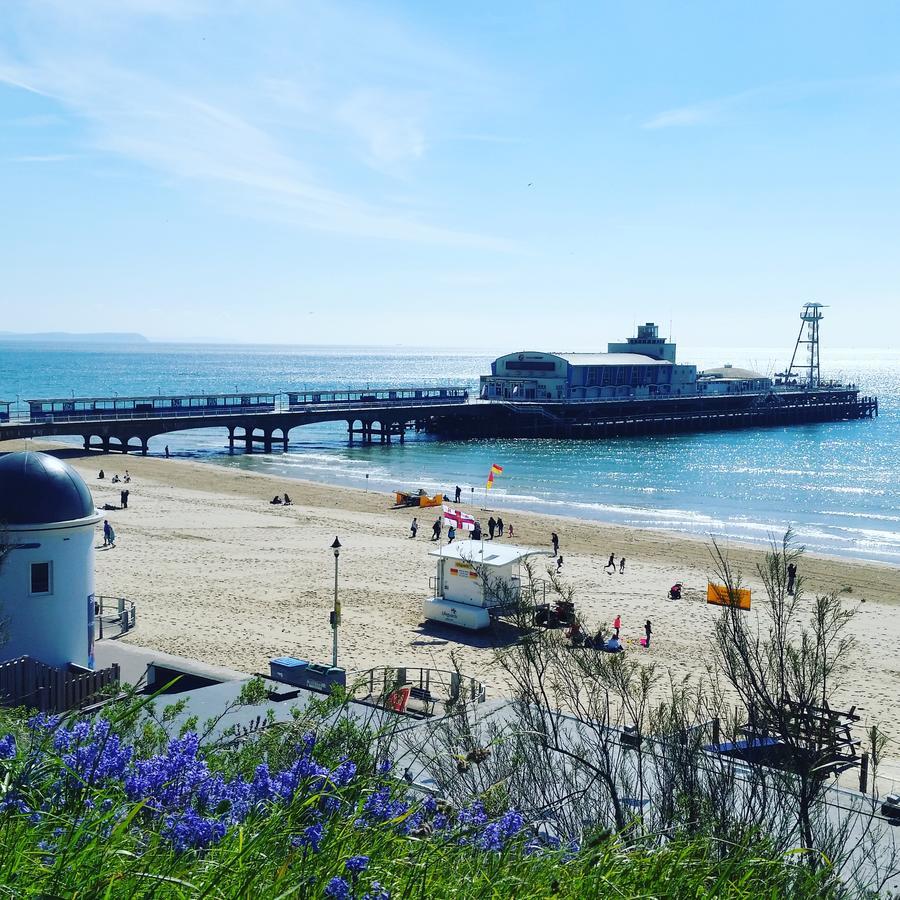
x=40, y=578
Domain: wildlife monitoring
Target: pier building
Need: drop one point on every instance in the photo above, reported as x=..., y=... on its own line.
x=642, y=367
x=730, y=379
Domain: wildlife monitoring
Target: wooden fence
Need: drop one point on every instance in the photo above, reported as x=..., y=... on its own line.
x=28, y=682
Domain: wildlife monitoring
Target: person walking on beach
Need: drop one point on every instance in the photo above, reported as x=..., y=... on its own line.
x=123, y=496
x=167, y=451
x=458, y=494
x=414, y=527
x=451, y=534
x=554, y=539
x=492, y=527
x=610, y=564
x=559, y=562
x=436, y=529
x=622, y=566
x=109, y=536
x=792, y=577
x=510, y=530
x=648, y=630
x=499, y=526
x=617, y=624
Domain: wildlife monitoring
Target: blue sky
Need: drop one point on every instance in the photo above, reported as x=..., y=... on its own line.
x=466, y=174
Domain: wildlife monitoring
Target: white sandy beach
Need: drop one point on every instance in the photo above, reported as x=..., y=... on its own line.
x=220, y=575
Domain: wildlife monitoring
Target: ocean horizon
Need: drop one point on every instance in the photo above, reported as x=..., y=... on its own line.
x=836, y=484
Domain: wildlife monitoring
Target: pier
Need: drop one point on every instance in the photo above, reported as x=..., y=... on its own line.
x=263, y=421
x=253, y=420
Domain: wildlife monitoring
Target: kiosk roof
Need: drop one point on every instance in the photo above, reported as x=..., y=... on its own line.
x=487, y=553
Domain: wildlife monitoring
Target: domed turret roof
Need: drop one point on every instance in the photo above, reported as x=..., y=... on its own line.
x=37, y=489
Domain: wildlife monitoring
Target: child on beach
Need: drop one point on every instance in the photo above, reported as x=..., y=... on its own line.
x=648, y=630
x=109, y=536
x=510, y=529
x=414, y=527
x=554, y=539
x=617, y=624
x=451, y=534
x=622, y=566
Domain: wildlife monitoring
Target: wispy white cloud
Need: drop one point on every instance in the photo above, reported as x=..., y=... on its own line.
x=43, y=158
x=780, y=93
x=390, y=125
x=700, y=113
x=286, y=137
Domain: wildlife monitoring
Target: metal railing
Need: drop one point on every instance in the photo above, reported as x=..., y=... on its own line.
x=113, y=616
x=439, y=685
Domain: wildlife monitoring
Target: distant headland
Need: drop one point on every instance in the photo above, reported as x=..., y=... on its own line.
x=102, y=337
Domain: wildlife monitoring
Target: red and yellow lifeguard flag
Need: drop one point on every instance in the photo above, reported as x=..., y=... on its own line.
x=495, y=470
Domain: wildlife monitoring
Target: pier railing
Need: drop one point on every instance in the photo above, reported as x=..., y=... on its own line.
x=284, y=402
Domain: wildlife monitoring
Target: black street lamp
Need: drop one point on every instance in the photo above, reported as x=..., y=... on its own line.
x=336, y=612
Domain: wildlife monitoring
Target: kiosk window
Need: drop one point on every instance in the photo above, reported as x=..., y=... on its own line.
x=40, y=578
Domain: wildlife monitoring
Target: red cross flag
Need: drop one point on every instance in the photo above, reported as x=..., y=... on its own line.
x=461, y=520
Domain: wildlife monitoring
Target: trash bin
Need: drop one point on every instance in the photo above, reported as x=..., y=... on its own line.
x=289, y=670
x=322, y=678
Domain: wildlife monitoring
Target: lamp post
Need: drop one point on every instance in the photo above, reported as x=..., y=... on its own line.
x=336, y=612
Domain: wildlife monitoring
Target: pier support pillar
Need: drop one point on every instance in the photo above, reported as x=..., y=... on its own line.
x=87, y=442
x=284, y=443
x=267, y=441
x=248, y=442
x=106, y=444
x=231, y=439
x=144, y=446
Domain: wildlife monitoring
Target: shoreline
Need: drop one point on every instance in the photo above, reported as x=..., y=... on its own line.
x=699, y=511
x=220, y=575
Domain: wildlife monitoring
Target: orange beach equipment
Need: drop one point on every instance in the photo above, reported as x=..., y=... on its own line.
x=718, y=594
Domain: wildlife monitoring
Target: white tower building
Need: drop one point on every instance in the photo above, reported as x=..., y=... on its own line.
x=47, y=520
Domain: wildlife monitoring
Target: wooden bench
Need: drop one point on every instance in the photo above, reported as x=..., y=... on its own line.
x=424, y=696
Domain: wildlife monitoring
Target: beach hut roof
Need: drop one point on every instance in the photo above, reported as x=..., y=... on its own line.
x=37, y=489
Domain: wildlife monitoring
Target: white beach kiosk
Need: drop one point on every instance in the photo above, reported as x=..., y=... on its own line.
x=474, y=579
x=47, y=517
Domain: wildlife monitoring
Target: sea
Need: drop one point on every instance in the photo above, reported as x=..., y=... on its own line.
x=836, y=484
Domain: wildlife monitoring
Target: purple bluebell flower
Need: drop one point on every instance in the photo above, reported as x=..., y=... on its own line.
x=377, y=892
x=44, y=722
x=337, y=889
x=343, y=774
x=356, y=864
x=311, y=837
x=191, y=831
x=8, y=746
